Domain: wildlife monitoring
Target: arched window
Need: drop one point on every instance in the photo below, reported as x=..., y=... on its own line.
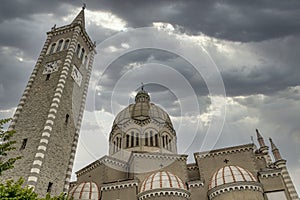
x=85, y=61
x=52, y=48
x=151, y=138
x=170, y=145
x=114, y=147
x=146, y=139
x=156, y=140
x=127, y=141
x=137, y=139
x=66, y=44
x=59, y=45
x=78, y=49
x=163, y=140
x=117, y=145
x=81, y=54
x=132, y=139
x=166, y=140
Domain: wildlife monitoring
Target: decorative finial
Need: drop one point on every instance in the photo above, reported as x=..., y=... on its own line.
x=260, y=139
x=142, y=86
x=275, y=151
x=53, y=28
x=83, y=7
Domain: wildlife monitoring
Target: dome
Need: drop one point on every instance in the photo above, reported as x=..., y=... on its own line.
x=142, y=111
x=230, y=174
x=142, y=126
x=85, y=190
x=162, y=180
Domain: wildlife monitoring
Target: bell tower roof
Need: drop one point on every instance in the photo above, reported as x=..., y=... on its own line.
x=79, y=19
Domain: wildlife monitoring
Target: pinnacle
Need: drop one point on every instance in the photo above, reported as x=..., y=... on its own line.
x=80, y=19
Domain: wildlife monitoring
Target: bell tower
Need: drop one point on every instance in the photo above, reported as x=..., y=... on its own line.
x=48, y=118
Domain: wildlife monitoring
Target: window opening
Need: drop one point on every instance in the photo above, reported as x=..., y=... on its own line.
x=156, y=140
x=78, y=49
x=24, y=143
x=146, y=139
x=85, y=60
x=59, y=45
x=127, y=141
x=166, y=140
x=50, y=184
x=132, y=140
x=52, y=48
x=151, y=138
x=66, y=44
x=137, y=139
x=114, y=148
x=47, y=77
x=82, y=53
x=67, y=118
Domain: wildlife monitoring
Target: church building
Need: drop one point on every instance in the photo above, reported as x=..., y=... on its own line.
x=143, y=162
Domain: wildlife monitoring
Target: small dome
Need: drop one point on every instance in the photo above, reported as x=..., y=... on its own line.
x=142, y=96
x=162, y=180
x=230, y=174
x=85, y=190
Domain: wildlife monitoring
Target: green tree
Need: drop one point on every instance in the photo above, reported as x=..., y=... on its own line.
x=14, y=190
x=5, y=146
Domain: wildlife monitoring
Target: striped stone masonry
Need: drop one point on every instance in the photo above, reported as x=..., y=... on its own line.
x=46, y=133
x=281, y=164
x=78, y=124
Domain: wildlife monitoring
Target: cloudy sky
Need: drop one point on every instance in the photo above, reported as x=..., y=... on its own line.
x=220, y=68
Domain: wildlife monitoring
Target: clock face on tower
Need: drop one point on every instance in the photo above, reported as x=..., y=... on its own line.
x=76, y=75
x=51, y=67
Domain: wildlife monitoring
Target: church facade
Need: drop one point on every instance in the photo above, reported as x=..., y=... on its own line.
x=143, y=162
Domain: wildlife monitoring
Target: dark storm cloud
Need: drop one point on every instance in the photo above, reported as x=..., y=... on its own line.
x=13, y=77
x=231, y=20
x=25, y=9
x=121, y=66
x=260, y=81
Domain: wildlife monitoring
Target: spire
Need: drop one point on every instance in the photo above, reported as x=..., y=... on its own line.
x=260, y=139
x=275, y=151
x=79, y=19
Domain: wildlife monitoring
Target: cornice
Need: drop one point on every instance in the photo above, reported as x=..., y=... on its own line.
x=148, y=155
x=164, y=192
x=103, y=160
x=230, y=187
x=269, y=173
x=197, y=183
x=228, y=150
x=119, y=185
